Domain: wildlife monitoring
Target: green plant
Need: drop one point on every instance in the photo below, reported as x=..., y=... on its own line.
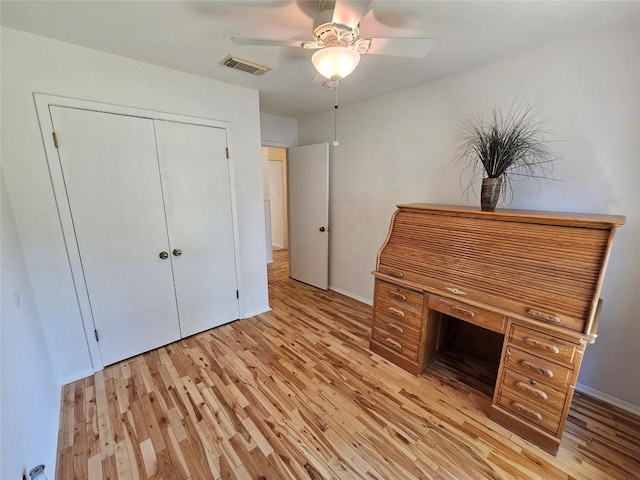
x=512, y=146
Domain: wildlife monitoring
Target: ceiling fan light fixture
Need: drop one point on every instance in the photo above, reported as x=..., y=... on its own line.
x=332, y=62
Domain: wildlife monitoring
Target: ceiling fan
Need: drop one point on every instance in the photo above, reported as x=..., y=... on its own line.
x=336, y=37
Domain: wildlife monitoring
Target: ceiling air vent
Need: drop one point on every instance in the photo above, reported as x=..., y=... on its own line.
x=245, y=65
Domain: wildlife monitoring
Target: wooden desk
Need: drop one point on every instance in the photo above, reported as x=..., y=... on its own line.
x=534, y=277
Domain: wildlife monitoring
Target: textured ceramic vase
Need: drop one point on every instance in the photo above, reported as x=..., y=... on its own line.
x=490, y=193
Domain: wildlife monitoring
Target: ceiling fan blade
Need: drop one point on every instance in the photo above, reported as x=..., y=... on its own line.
x=347, y=13
x=401, y=47
x=266, y=42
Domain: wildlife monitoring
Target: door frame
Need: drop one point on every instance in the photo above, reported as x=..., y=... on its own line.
x=286, y=146
x=285, y=194
x=42, y=103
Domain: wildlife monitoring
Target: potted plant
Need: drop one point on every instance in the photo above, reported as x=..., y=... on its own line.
x=503, y=148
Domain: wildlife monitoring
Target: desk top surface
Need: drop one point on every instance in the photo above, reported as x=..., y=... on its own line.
x=591, y=220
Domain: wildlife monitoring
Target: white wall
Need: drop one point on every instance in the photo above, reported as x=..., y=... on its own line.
x=30, y=398
x=278, y=131
x=400, y=148
x=37, y=64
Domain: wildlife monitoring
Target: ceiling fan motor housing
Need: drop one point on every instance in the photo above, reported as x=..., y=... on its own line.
x=329, y=35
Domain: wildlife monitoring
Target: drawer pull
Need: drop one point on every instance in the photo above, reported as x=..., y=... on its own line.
x=535, y=368
x=547, y=317
x=395, y=327
x=527, y=411
x=532, y=391
x=464, y=311
x=393, y=343
x=393, y=273
x=398, y=296
x=396, y=312
x=534, y=342
x=455, y=291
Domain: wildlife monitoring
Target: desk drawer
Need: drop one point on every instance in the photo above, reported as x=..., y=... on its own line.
x=402, y=331
x=399, y=296
x=401, y=314
x=482, y=318
x=407, y=347
x=532, y=411
x=543, y=344
x=537, y=368
x=536, y=391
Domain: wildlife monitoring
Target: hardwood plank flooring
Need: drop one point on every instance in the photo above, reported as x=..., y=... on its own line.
x=296, y=394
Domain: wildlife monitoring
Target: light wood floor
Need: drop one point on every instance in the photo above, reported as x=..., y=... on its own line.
x=296, y=394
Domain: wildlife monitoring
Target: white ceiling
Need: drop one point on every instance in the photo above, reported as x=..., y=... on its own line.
x=194, y=36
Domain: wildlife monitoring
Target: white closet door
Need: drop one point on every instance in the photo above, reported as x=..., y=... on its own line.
x=110, y=169
x=196, y=185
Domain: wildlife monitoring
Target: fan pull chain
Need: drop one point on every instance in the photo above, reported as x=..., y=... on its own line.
x=335, y=142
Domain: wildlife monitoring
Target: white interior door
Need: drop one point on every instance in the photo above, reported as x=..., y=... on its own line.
x=110, y=168
x=308, y=180
x=277, y=205
x=197, y=192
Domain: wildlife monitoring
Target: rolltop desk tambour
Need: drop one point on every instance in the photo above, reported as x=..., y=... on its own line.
x=534, y=277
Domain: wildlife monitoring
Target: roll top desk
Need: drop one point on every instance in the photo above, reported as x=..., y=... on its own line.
x=534, y=277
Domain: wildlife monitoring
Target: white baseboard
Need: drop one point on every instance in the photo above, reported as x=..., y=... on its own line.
x=351, y=295
x=605, y=397
x=75, y=376
x=257, y=312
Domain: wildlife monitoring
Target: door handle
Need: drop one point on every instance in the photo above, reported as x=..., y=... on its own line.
x=164, y=255
x=321, y=229
x=177, y=252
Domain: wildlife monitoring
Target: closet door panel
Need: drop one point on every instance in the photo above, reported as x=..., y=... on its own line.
x=196, y=185
x=112, y=180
